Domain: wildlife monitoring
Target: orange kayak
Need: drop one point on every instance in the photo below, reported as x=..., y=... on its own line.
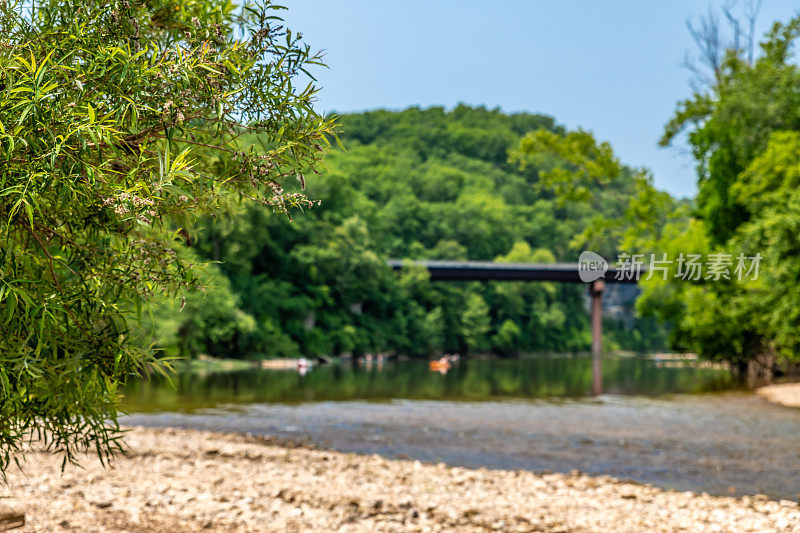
x=439, y=365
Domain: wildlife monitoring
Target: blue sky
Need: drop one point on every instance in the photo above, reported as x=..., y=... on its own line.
x=612, y=67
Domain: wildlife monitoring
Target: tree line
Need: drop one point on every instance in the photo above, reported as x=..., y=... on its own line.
x=415, y=184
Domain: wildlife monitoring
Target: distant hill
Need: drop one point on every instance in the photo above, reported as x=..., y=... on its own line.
x=419, y=183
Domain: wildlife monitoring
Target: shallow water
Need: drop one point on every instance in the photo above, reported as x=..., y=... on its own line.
x=722, y=443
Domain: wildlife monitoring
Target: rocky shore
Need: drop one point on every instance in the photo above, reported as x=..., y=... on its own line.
x=787, y=394
x=180, y=480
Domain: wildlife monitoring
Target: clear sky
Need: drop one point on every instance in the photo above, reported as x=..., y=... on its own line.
x=612, y=67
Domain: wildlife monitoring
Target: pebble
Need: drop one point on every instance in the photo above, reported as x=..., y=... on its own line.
x=184, y=480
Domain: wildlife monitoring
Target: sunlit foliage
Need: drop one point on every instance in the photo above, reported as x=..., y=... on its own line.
x=119, y=123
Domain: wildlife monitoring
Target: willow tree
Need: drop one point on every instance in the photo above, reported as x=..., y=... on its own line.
x=119, y=122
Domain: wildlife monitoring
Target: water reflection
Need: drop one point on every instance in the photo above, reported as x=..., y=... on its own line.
x=461, y=380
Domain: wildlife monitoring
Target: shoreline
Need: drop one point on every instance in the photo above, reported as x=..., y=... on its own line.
x=786, y=394
x=191, y=480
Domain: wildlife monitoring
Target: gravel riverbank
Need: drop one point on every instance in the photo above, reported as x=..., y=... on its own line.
x=787, y=394
x=183, y=480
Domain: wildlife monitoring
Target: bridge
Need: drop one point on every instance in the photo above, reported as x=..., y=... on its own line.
x=557, y=272
x=487, y=271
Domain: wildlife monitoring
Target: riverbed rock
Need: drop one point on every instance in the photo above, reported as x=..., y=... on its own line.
x=183, y=480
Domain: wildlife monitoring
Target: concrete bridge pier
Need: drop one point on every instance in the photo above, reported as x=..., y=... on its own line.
x=596, y=289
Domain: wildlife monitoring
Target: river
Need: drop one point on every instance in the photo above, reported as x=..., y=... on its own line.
x=670, y=423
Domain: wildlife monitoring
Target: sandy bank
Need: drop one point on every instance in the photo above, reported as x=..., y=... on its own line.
x=787, y=394
x=187, y=481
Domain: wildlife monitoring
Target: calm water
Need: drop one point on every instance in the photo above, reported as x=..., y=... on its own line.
x=545, y=377
x=659, y=423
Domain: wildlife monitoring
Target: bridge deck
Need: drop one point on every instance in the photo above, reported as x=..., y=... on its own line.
x=486, y=271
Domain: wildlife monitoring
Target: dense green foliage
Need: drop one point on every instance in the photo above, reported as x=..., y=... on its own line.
x=414, y=184
x=118, y=124
x=745, y=135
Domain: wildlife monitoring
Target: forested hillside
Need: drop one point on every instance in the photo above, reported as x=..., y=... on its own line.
x=414, y=184
x=744, y=132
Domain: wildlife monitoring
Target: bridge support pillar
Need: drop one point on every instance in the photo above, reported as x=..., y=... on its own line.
x=596, y=289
